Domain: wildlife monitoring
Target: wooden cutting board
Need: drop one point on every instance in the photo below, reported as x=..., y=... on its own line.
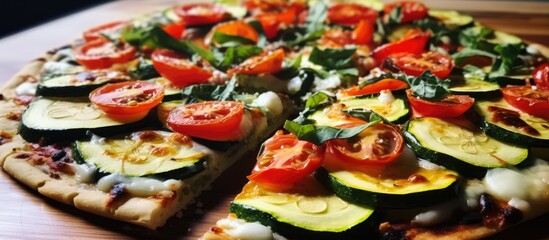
x=26, y=215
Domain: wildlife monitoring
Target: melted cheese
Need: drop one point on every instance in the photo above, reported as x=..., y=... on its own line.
x=240, y=229
x=84, y=172
x=26, y=88
x=270, y=101
x=437, y=214
x=386, y=97
x=138, y=186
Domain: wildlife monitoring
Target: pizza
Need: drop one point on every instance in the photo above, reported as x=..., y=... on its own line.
x=399, y=121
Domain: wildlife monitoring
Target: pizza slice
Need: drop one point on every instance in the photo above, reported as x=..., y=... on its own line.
x=131, y=123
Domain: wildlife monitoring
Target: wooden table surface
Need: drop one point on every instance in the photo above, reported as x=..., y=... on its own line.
x=26, y=215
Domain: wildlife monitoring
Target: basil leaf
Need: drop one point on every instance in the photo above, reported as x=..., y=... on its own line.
x=237, y=55
x=469, y=52
x=154, y=37
x=471, y=37
x=202, y=52
x=508, y=59
x=316, y=99
x=143, y=70
x=321, y=134
x=397, y=76
x=227, y=40
x=430, y=87
x=332, y=58
x=303, y=38
x=209, y=92
x=471, y=71
x=262, y=40
x=317, y=16
x=290, y=70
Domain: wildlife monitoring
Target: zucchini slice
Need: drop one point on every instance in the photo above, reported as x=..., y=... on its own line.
x=57, y=120
x=477, y=88
x=309, y=211
x=506, y=123
x=404, y=184
x=171, y=93
x=78, y=85
x=396, y=111
x=459, y=147
x=145, y=153
x=451, y=19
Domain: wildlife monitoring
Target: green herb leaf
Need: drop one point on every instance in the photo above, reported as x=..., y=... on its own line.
x=209, y=92
x=144, y=70
x=471, y=37
x=304, y=38
x=237, y=55
x=154, y=37
x=469, y=52
x=317, y=16
x=321, y=134
x=227, y=40
x=290, y=70
x=316, y=99
x=332, y=58
x=430, y=87
x=470, y=71
x=262, y=40
x=508, y=59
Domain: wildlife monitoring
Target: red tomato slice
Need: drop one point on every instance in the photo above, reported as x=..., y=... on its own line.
x=410, y=10
x=212, y=120
x=178, y=69
x=236, y=28
x=364, y=32
x=127, y=101
x=380, y=144
x=271, y=21
x=541, y=76
x=336, y=38
x=385, y=84
x=266, y=63
x=439, y=64
x=350, y=14
x=103, y=53
x=451, y=106
x=201, y=14
x=174, y=29
x=108, y=28
x=413, y=42
x=286, y=160
x=269, y=5
x=528, y=100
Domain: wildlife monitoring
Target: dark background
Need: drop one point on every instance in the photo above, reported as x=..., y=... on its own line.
x=18, y=15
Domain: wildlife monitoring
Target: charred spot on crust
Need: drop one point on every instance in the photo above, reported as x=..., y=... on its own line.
x=497, y=214
x=116, y=192
x=58, y=155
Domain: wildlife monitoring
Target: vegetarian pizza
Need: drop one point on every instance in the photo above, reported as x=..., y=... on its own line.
x=400, y=121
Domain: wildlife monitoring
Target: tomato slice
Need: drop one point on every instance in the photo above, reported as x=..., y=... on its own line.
x=379, y=144
x=350, y=14
x=267, y=63
x=390, y=84
x=95, y=33
x=410, y=10
x=364, y=32
x=541, y=76
x=201, y=14
x=439, y=64
x=127, y=101
x=102, y=53
x=413, y=42
x=271, y=21
x=178, y=69
x=269, y=5
x=336, y=38
x=236, y=28
x=212, y=120
x=175, y=29
x=451, y=106
x=528, y=100
x=285, y=160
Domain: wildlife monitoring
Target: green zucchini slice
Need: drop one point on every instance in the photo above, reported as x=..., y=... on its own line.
x=506, y=123
x=57, y=120
x=405, y=183
x=145, y=153
x=396, y=111
x=477, y=88
x=78, y=85
x=460, y=147
x=309, y=211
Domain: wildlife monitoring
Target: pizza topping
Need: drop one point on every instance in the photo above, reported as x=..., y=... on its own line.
x=116, y=192
x=438, y=63
x=511, y=118
x=541, y=76
x=528, y=99
x=26, y=88
x=14, y=116
x=201, y=14
x=137, y=186
x=497, y=214
x=286, y=160
x=409, y=10
x=112, y=30
x=127, y=101
x=350, y=14
x=240, y=229
x=270, y=101
x=239, y=29
x=451, y=106
x=212, y=120
x=103, y=53
x=413, y=42
x=178, y=68
x=266, y=63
